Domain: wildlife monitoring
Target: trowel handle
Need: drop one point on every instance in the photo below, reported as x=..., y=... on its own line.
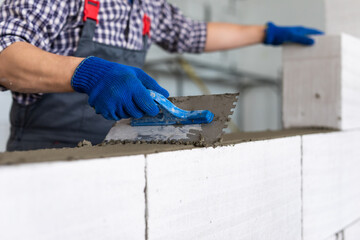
x=188, y=117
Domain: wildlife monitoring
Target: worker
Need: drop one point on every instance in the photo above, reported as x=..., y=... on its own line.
x=74, y=66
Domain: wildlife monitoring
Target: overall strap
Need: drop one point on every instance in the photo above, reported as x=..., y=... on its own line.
x=90, y=18
x=146, y=30
x=91, y=12
x=146, y=25
x=146, y=21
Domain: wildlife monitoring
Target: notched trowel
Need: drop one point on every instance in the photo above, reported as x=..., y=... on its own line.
x=176, y=125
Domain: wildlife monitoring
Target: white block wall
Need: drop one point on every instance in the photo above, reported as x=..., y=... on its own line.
x=333, y=237
x=321, y=84
x=249, y=191
x=298, y=188
x=331, y=192
x=353, y=231
x=93, y=199
x=194, y=194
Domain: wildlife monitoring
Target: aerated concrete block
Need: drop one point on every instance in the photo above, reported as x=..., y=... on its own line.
x=321, y=85
x=352, y=232
x=342, y=16
x=246, y=191
x=333, y=237
x=92, y=199
x=331, y=192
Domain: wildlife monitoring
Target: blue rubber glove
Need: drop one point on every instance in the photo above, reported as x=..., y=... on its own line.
x=276, y=35
x=116, y=91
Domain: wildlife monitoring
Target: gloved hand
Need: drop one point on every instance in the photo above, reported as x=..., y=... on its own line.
x=116, y=91
x=276, y=35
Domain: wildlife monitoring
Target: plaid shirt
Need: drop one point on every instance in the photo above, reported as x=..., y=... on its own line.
x=55, y=26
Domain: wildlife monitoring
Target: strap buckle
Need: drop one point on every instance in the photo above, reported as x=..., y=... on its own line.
x=91, y=10
x=146, y=25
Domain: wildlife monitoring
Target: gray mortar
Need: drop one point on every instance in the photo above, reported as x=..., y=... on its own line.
x=84, y=143
x=222, y=105
x=118, y=149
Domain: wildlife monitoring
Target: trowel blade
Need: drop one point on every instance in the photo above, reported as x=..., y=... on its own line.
x=222, y=105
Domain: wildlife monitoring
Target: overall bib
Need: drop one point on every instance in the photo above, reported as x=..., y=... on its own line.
x=63, y=119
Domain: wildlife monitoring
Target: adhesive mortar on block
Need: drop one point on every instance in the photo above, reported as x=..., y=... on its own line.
x=118, y=148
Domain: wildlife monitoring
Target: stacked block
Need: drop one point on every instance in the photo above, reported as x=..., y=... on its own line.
x=322, y=83
x=322, y=89
x=353, y=231
x=298, y=188
x=331, y=193
x=93, y=199
x=246, y=191
x=333, y=237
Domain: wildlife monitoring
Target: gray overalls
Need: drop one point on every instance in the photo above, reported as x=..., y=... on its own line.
x=63, y=119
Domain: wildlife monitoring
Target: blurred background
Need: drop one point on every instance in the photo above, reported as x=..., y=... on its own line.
x=255, y=72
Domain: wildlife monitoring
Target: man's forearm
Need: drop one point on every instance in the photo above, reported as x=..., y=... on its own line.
x=28, y=69
x=224, y=36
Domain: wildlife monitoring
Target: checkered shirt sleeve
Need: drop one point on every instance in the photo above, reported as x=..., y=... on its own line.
x=177, y=33
x=35, y=22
